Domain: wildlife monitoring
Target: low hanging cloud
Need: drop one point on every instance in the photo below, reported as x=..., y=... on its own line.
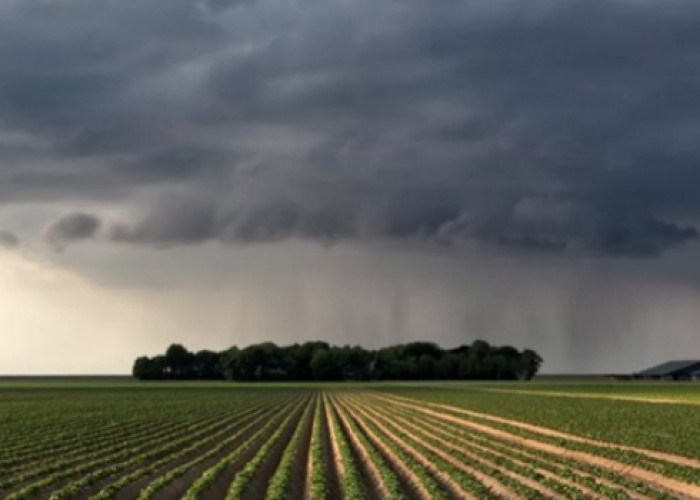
x=73, y=227
x=8, y=240
x=542, y=126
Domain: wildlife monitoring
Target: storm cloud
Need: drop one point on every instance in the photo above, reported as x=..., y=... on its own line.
x=8, y=240
x=544, y=126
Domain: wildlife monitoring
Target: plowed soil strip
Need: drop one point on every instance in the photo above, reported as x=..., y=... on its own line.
x=523, y=458
x=672, y=485
x=332, y=484
x=552, y=475
x=658, y=455
x=337, y=455
x=376, y=484
x=412, y=485
x=498, y=490
x=617, y=397
x=421, y=436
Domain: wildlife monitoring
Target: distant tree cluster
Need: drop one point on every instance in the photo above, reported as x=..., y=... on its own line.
x=322, y=362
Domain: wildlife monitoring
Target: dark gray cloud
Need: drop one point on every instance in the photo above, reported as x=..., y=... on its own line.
x=544, y=125
x=8, y=240
x=73, y=227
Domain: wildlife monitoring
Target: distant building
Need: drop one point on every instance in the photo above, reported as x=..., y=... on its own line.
x=673, y=370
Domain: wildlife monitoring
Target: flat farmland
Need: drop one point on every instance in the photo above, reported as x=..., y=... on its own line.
x=128, y=440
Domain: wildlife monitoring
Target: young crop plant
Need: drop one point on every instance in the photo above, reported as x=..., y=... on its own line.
x=270, y=416
x=415, y=470
x=472, y=479
x=317, y=486
x=86, y=464
x=278, y=487
x=200, y=438
x=511, y=474
x=243, y=478
x=389, y=482
x=351, y=481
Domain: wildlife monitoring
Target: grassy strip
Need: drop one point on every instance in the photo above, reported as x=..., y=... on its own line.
x=243, y=478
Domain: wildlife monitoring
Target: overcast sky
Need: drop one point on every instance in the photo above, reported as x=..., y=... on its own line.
x=218, y=172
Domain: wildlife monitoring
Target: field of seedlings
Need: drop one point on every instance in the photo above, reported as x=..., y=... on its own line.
x=230, y=441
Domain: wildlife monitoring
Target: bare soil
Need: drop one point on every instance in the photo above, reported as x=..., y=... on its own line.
x=678, y=488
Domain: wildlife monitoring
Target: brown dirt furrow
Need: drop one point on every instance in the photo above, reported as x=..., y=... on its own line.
x=300, y=470
x=419, y=432
x=376, y=485
x=133, y=489
x=616, y=397
x=499, y=490
x=678, y=488
x=181, y=484
x=658, y=455
x=334, y=460
x=258, y=485
x=219, y=488
x=415, y=487
x=332, y=482
x=310, y=459
x=547, y=473
x=96, y=487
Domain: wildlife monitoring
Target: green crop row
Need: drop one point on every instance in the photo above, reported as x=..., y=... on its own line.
x=92, y=469
x=483, y=461
x=493, y=448
x=389, y=479
x=403, y=458
x=637, y=486
x=205, y=480
x=243, y=478
x=172, y=450
x=278, y=487
x=662, y=467
x=351, y=481
x=317, y=477
x=101, y=448
x=423, y=465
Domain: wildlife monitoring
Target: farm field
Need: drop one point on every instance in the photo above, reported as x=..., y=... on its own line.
x=127, y=440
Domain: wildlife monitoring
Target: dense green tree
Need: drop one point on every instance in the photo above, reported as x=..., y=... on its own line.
x=320, y=361
x=179, y=362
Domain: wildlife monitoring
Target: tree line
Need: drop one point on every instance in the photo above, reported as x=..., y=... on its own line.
x=319, y=361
